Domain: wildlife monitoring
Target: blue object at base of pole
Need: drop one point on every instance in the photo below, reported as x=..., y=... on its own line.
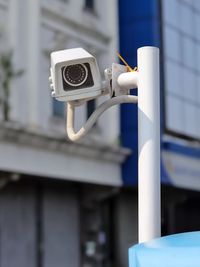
x=179, y=250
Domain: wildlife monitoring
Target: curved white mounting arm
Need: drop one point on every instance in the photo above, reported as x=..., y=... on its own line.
x=72, y=135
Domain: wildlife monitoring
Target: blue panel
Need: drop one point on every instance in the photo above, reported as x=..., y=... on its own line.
x=180, y=149
x=139, y=26
x=165, y=177
x=180, y=250
x=135, y=9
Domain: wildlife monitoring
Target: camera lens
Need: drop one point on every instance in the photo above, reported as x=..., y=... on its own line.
x=75, y=75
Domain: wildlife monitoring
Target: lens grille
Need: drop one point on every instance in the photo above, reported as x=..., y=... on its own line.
x=75, y=75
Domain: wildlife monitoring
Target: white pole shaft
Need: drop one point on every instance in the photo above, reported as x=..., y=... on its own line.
x=149, y=143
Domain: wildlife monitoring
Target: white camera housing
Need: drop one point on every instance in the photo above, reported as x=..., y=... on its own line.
x=74, y=75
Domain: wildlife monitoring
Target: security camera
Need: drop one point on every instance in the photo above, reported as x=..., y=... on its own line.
x=74, y=75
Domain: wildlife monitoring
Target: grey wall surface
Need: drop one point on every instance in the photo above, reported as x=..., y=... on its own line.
x=61, y=229
x=126, y=226
x=39, y=226
x=17, y=227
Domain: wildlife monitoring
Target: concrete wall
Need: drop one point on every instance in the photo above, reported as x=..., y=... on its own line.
x=61, y=228
x=35, y=28
x=126, y=226
x=39, y=226
x=17, y=227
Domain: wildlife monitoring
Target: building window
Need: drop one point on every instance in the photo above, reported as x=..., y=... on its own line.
x=89, y=4
x=58, y=109
x=90, y=107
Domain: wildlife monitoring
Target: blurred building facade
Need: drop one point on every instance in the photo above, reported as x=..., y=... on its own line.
x=59, y=202
x=65, y=204
x=172, y=25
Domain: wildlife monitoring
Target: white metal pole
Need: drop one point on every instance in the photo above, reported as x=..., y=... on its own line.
x=149, y=143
